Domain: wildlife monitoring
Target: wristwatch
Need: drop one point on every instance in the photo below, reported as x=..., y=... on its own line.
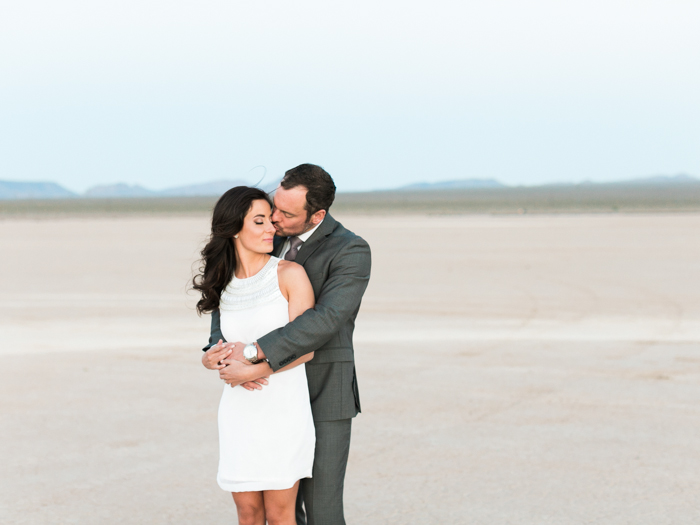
x=250, y=352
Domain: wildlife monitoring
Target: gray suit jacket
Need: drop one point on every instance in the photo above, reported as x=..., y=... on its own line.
x=338, y=264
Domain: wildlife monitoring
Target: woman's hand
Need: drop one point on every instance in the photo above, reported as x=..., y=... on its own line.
x=257, y=384
x=212, y=358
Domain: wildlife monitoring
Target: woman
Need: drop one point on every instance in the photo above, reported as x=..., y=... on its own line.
x=266, y=437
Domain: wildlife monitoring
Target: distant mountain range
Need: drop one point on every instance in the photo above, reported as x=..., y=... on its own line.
x=10, y=190
x=50, y=190
x=454, y=184
x=493, y=183
x=121, y=190
x=681, y=178
x=116, y=191
x=33, y=190
x=654, y=180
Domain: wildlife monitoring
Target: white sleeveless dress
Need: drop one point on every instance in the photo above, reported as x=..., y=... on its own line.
x=266, y=437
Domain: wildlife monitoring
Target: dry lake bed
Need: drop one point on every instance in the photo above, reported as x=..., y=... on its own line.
x=535, y=369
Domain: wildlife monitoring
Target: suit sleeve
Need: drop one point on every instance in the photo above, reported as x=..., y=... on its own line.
x=338, y=300
x=215, y=332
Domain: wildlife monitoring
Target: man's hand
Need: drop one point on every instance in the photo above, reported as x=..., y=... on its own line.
x=237, y=352
x=212, y=358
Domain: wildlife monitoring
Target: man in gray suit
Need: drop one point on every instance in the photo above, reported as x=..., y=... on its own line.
x=338, y=265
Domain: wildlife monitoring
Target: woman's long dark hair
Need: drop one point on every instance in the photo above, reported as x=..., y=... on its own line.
x=219, y=255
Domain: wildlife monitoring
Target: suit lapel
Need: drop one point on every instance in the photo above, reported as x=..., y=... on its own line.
x=317, y=238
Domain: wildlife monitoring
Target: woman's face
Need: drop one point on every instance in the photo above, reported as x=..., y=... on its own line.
x=257, y=232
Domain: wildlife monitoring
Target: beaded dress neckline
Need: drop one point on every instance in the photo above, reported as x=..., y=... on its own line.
x=256, y=290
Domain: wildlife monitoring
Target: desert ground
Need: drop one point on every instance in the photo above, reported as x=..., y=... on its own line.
x=520, y=369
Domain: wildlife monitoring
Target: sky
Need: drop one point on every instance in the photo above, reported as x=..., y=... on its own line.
x=381, y=93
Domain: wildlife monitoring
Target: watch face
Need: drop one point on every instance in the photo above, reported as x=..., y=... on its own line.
x=250, y=352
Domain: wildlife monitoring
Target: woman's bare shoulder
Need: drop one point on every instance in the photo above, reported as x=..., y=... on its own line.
x=290, y=270
x=294, y=282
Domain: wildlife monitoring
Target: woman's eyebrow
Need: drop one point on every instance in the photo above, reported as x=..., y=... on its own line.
x=259, y=215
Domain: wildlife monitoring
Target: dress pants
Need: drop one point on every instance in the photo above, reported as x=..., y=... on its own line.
x=322, y=495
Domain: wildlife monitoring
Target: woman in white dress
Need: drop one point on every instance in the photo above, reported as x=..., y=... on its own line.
x=266, y=437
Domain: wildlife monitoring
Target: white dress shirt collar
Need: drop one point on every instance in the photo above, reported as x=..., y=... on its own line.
x=305, y=236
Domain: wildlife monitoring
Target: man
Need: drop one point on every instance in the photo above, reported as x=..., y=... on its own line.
x=338, y=265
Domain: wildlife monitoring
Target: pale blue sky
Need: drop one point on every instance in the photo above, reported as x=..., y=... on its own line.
x=381, y=93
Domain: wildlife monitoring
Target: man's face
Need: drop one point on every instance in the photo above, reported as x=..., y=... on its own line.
x=289, y=214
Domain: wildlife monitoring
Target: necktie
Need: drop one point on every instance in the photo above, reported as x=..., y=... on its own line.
x=294, y=245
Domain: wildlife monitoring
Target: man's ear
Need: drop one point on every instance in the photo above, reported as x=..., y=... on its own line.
x=318, y=217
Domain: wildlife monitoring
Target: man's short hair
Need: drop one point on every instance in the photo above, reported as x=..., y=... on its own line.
x=319, y=184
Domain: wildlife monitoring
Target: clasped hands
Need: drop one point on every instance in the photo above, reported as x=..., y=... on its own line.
x=234, y=369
